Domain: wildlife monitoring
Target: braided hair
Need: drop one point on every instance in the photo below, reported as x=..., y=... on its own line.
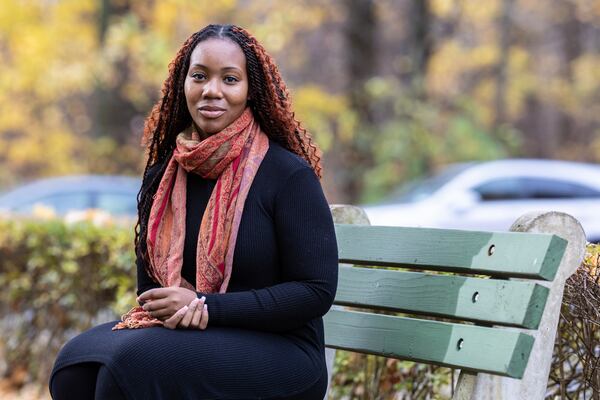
x=270, y=104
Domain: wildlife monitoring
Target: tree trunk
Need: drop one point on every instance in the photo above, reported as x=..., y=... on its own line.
x=422, y=45
x=504, y=28
x=360, y=33
x=360, y=37
x=112, y=111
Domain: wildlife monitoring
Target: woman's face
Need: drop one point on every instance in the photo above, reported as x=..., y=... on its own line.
x=216, y=85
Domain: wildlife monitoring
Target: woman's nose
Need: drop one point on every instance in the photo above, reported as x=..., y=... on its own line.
x=212, y=88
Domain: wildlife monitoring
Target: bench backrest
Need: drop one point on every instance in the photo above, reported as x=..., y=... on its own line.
x=461, y=309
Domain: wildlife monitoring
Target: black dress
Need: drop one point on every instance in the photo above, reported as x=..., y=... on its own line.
x=265, y=335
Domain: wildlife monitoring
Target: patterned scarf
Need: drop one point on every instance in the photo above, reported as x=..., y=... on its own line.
x=231, y=156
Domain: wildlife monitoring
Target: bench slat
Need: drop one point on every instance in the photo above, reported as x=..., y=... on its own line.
x=494, y=350
x=502, y=254
x=501, y=302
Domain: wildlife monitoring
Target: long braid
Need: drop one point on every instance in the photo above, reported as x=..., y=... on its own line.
x=269, y=99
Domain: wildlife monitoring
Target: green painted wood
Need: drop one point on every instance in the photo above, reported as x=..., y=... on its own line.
x=502, y=254
x=501, y=302
x=498, y=351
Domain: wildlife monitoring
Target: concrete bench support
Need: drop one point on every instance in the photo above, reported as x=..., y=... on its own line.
x=534, y=382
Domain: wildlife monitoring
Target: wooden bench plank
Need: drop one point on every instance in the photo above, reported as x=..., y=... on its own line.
x=494, y=350
x=501, y=302
x=501, y=254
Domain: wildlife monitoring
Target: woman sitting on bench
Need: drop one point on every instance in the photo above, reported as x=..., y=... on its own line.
x=235, y=244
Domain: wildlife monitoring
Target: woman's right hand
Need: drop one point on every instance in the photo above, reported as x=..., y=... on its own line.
x=192, y=316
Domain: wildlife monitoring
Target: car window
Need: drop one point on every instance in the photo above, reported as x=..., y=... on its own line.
x=538, y=188
x=117, y=203
x=523, y=188
x=501, y=189
x=60, y=203
x=423, y=188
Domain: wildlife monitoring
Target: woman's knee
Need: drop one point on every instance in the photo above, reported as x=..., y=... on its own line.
x=107, y=387
x=77, y=381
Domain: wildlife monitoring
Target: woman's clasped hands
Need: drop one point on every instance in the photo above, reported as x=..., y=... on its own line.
x=177, y=307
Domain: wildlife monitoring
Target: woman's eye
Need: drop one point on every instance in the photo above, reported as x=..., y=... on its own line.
x=197, y=75
x=230, y=79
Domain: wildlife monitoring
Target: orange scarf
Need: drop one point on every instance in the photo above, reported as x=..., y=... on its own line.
x=233, y=156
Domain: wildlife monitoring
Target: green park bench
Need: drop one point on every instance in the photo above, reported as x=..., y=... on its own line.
x=492, y=313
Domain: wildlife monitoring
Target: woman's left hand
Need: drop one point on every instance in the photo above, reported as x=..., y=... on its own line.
x=196, y=316
x=163, y=303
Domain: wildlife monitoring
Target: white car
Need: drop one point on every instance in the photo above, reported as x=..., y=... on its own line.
x=492, y=195
x=114, y=194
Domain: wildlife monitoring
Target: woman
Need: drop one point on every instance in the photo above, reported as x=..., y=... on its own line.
x=236, y=251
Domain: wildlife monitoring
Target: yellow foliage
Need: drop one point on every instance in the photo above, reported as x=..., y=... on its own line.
x=325, y=115
x=442, y=8
x=482, y=56
x=53, y=65
x=47, y=47
x=484, y=99
x=165, y=17
x=520, y=82
x=43, y=212
x=586, y=75
x=481, y=11
x=453, y=60
x=591, y=261
x=444, y=69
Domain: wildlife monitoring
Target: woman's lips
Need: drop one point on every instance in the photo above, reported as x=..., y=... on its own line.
x=211, y=113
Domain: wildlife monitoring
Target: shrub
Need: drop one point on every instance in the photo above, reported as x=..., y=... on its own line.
x=58, y=279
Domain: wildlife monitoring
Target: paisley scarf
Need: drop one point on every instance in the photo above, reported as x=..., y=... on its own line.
x=231, y=156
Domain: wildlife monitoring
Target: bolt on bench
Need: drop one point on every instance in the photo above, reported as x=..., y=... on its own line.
x=503, y=323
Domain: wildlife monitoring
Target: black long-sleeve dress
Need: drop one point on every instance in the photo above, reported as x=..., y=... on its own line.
x=265, y=335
